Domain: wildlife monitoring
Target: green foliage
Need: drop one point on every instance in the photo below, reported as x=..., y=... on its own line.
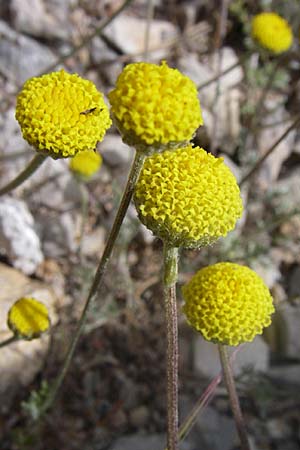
x=34, y=405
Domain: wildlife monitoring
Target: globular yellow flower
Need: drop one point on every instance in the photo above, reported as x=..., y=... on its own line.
x=228, y=303
x=272, y=32
x=28, y=318
x=155, y=106
x=187, y=197
x=61, y=114
x=86, y=163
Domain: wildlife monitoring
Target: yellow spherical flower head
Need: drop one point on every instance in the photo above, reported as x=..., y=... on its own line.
x=187, y=197
x=272, y=32
x=86, y=163
x=228, y=303
x=61, y=114
x=28, y=318
x=155, y=106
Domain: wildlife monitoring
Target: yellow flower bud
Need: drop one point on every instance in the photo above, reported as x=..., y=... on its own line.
x=86, y=163
x=28, y=318
x=272, y=32
x=61, y=114
x=227, y=303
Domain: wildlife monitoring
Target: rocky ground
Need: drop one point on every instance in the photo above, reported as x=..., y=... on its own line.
x=114, y=395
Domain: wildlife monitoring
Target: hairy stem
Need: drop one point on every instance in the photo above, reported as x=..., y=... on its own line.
x=169, y=280
x=125, y=201
x=23, y=176
x=233, y=398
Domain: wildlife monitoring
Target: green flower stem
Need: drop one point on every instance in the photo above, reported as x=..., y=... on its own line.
x=256, y=166
x=23, y=176
x=8, y=341
x=233, y=397
x=169, y=281
x=125, y=201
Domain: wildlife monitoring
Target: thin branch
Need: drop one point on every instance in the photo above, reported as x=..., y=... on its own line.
x=270, y=150
x=94, y=290
x=221, y=35
x=87, y=39
x=150, y=15
x=24, y=175
x=8, y=341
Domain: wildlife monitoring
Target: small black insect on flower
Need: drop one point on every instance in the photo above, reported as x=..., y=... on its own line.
x=88, y=111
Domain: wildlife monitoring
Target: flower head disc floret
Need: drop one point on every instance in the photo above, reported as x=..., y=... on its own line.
x=28, y=318
x=272, y=32
x=187, y=197
x=228, y=303
x=86, y=163
x=155, y=106
x=61, y=114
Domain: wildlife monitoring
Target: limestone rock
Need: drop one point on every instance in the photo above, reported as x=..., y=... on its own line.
x=18, y=238
x=21, y=57
x=115, y=153
x=46, y=21
x=227, y=132
x=271, y=167
x=128, y=33
x=254, y=355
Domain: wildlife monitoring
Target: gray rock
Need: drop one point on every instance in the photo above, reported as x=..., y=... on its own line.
x=21, y=57
x=11, y=137
x=217, y=431
x=112, y=67
x=145, y=442
x=140, y=441
x=228, y=59
x=18, y=238
x=253, y=355
x=128, y=33
x=58, y=234
x=202, y=71
x=139, y=416
x=47, y=21
x=229, y=98
x=267, y=268
x=115, y=153
x=286, y=189
x=278, y=428
x=271, y=167
x=93, y=243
